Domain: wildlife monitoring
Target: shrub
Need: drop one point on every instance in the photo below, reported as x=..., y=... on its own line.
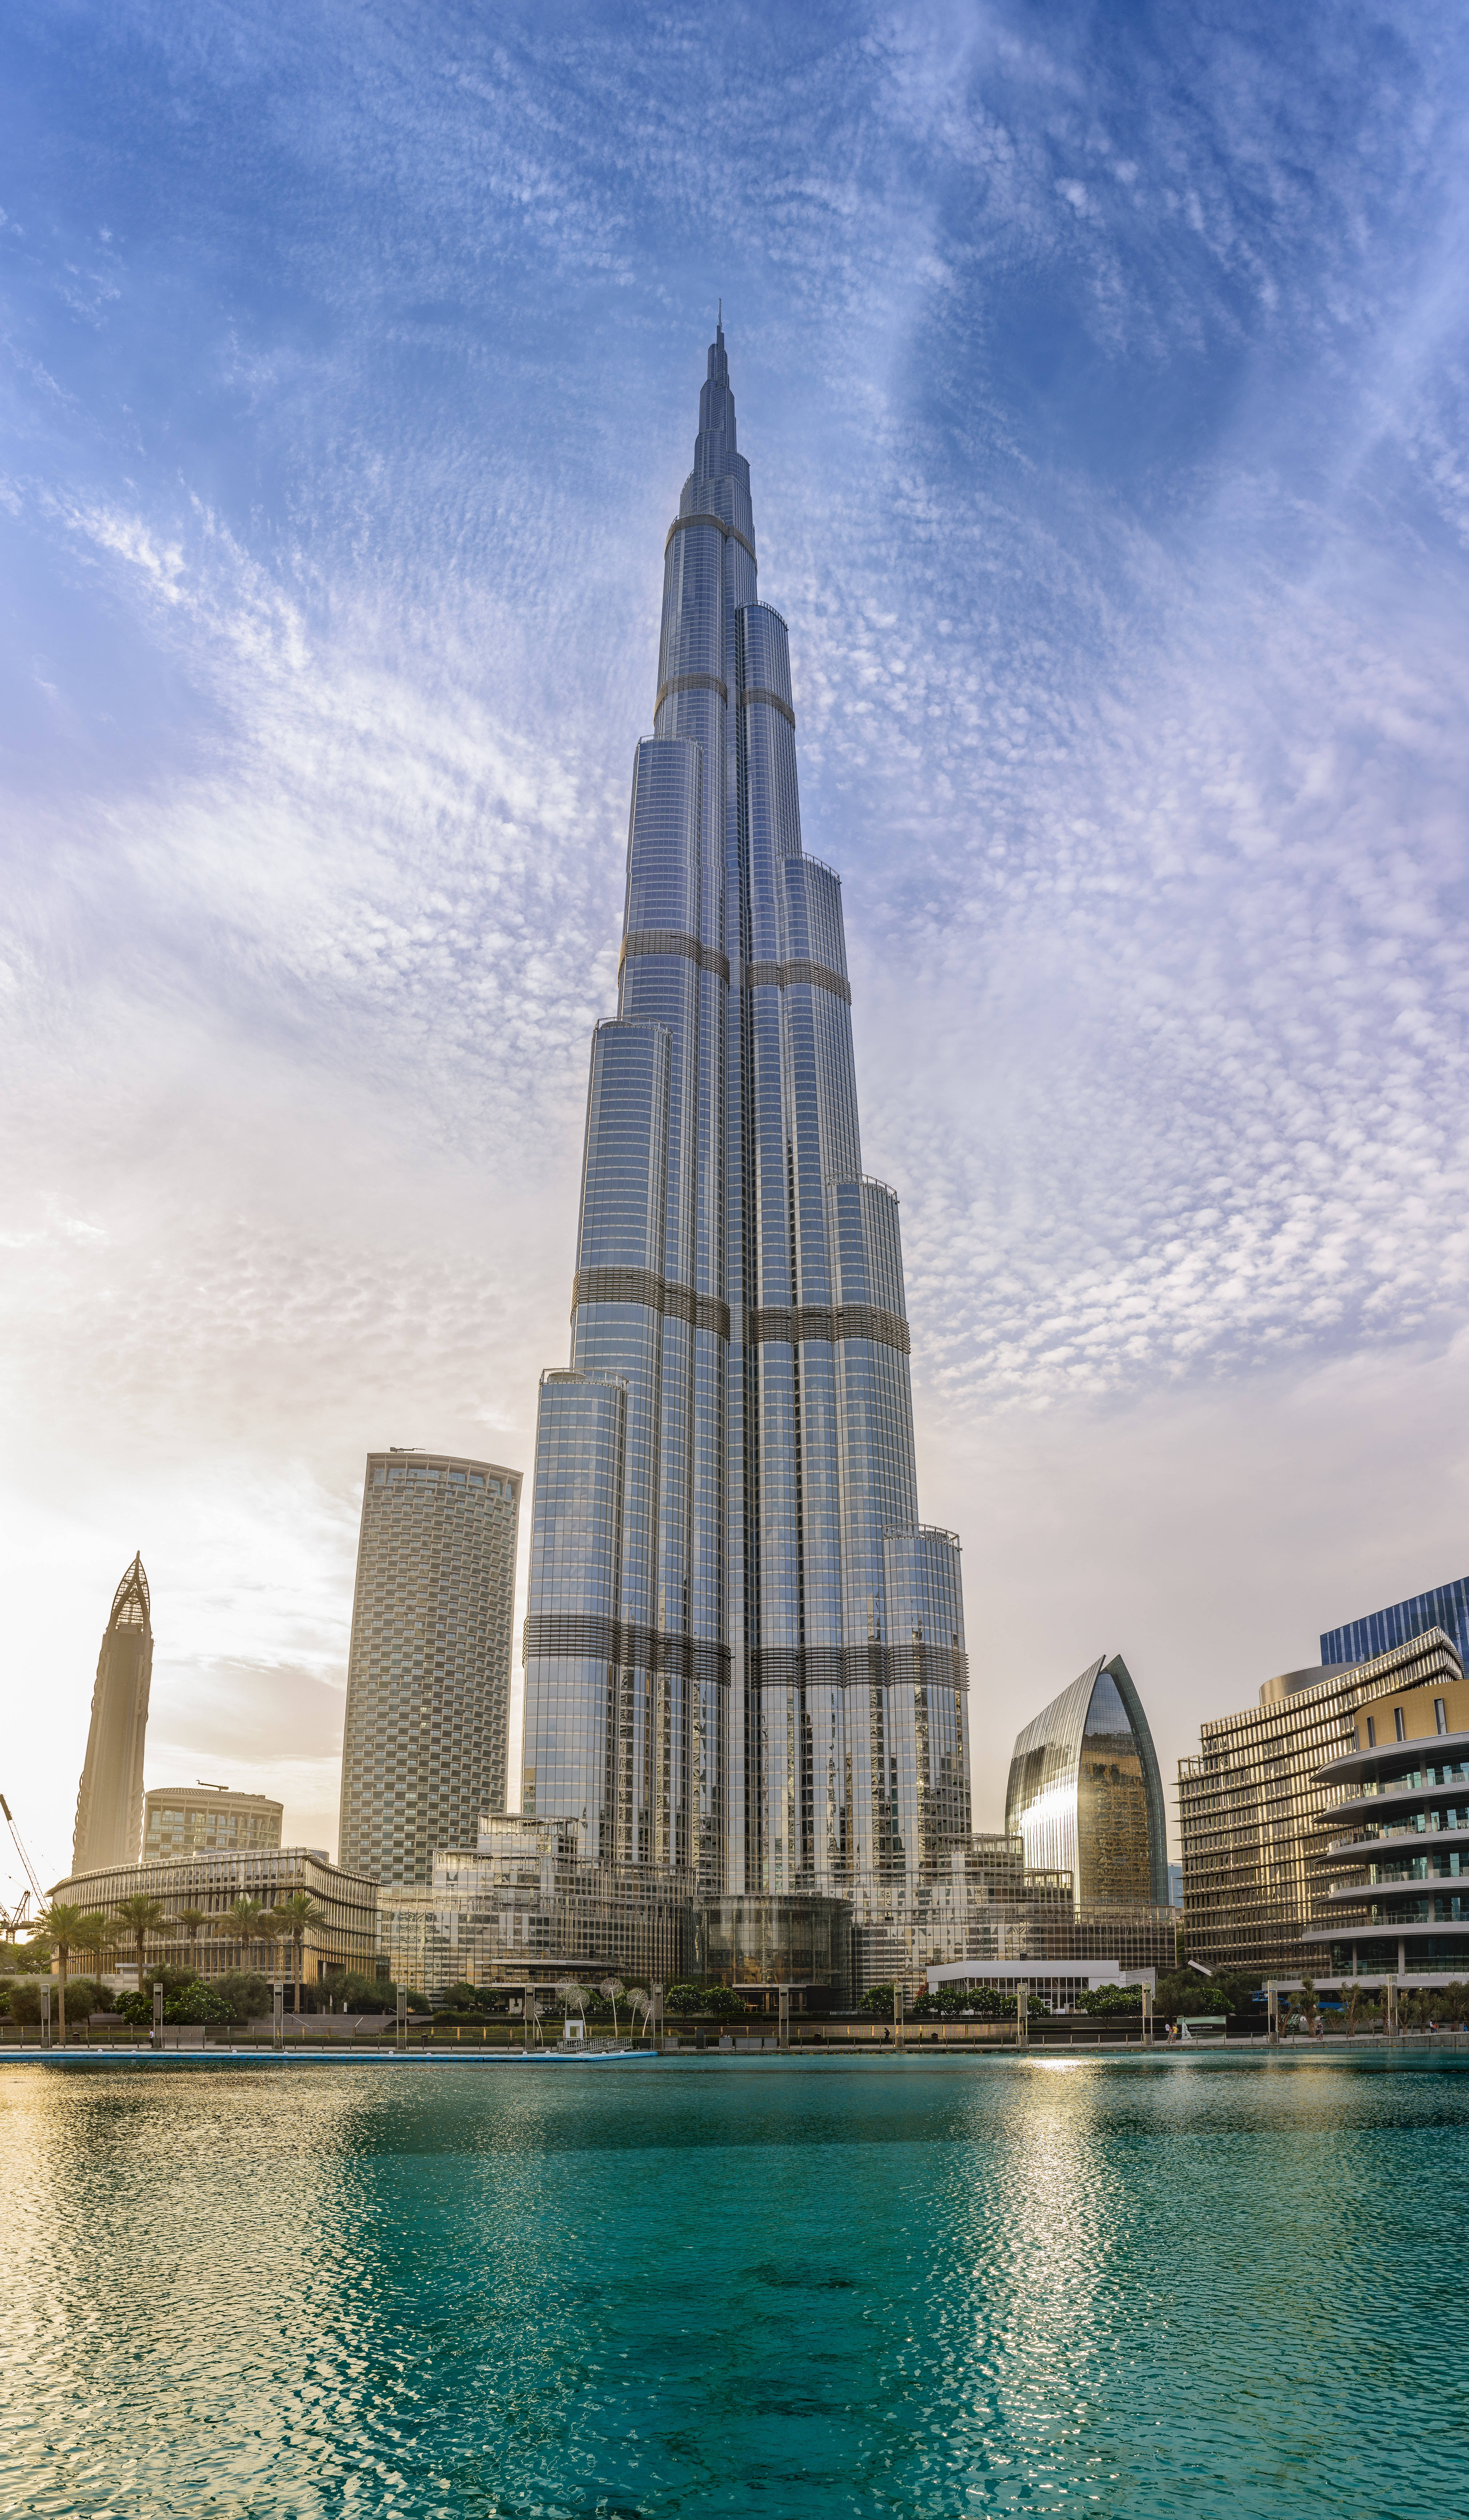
x=1113, y=1999
x=715, y=2002
x=956, y=2001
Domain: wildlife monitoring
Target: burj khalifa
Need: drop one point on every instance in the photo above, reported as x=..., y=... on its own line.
x=744, y=1654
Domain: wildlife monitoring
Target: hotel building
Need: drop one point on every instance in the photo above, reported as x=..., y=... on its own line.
x=1392, y=1844
x=1251, y=1804
x=428, y=1673
x=110, y=1796
x=206, y=1820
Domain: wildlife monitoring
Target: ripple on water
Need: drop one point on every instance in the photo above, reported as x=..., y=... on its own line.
x=922, y=2288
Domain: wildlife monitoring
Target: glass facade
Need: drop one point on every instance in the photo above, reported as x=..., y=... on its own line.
x=1251, y=1804
x=1086, y=1795
x=745, y=1655
x=109, y=1795
x=1363, y=1639
x=522, y=1905
x=429, y=1674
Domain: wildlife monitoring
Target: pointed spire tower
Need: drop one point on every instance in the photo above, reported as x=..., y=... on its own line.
x=110, y=1796
x=744, y=1656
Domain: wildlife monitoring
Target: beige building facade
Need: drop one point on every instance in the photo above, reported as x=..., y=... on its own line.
x=206, y=1820
x=109, y=1793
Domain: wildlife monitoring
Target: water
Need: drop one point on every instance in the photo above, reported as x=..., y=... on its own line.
x=1179, y=2287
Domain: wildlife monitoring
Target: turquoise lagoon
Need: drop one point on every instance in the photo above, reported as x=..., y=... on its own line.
x=1167, y=2286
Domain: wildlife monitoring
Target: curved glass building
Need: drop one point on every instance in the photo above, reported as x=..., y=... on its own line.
x=1086, y=1795
x=745, y=1655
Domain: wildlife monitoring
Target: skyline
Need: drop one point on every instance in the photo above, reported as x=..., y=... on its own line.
x=1106, y=383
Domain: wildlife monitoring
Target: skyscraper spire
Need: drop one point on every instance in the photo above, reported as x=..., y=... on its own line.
x=745, y=1655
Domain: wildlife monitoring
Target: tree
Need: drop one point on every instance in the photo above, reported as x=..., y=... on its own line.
x=94, y=1934
x=610, y=1989
x=191, y=1918
x=297, y=1914
x=62, y=1923
x=139, y=1916
x=245, y=1920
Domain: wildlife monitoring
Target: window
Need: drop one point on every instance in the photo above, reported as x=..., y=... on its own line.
x=1371, y=1733
x=1399, y=1725
x=1441, y=1714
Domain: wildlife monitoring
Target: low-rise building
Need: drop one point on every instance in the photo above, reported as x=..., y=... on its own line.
x=1251, y=1803
x=199, y=1890
x=207, y=1819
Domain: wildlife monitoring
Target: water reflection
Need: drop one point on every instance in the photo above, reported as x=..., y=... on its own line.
x=905, y=2287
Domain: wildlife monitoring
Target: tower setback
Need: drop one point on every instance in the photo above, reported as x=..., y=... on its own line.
x=744, y=1654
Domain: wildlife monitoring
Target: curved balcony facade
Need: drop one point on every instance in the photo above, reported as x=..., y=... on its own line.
x=1394, y=1844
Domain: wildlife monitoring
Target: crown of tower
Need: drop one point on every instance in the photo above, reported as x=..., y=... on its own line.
x=131, y=1606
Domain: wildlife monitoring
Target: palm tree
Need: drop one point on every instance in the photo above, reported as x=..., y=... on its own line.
x=243, y=1921
x=297, y=1914
x=641, y=2006
x=610, y=1989
x=192, y=1918
x=139, y=1916
x=60, y=1923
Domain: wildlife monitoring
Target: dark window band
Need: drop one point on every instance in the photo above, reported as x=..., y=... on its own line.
x=690, y=683
x=788, y=1324
x=646, y=1286
x=732, y=533
x=559, y=1636
x=772, y=699
x=785, y=975
x=871, y=1666
x=674, y=941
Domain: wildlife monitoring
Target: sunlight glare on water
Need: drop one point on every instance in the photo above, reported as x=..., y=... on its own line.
x=899, y=2287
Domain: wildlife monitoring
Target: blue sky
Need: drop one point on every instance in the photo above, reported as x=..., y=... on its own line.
x=1102, y=373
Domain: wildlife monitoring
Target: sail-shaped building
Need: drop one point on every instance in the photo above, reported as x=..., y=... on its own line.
x=109, y=1795
x=744, y=1654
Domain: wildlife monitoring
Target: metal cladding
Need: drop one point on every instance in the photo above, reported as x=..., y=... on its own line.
x=745, y=1655
x=109, y=1795
x=1086, y=1795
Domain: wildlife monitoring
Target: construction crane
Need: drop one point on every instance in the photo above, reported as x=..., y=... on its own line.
x=18, y=1917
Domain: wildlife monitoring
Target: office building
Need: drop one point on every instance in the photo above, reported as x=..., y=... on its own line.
x=1363, y=1639
x=208, y=1883
x=521, y=1906
x=429, y=1674
x=744, y=1654
x=1250, y=1804
x=206, y=1820
x=110, y=1796
x=1392, y=1850
x=1085, y=1796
